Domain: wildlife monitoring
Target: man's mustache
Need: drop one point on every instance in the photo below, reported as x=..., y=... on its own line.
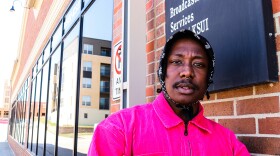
x=185, y=83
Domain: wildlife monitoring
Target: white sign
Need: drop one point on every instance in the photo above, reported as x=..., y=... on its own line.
x=117, y=74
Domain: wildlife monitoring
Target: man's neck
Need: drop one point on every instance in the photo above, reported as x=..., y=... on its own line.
x=185, y=112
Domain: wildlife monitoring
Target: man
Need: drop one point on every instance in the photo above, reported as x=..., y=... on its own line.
x=173, y=124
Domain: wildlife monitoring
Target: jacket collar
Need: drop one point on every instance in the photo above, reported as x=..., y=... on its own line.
x=169, y=119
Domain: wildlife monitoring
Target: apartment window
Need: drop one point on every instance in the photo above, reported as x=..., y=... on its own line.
x=104, y=103
x=87, y=66
x=86, y=101
x=85, y=115
x=86, y=83
x=105, y=70
x=104, y=86
x=88, y=49
x=105, y=51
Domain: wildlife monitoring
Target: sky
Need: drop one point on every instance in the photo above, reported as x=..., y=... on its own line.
x=10, y=28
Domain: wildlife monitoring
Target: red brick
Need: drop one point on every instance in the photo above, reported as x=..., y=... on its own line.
x=156, y=2
x=150, y=15
x=160, y=31
x=114, y=108
x=150, y=25
x=212, y=97
x=275, y=6
x=117, y=24
x=218, y=109
x=160, y=9
x=160, y=42
x=116, y=2
x=269, y=125
x=150, y=79
x=267, y=88
x=160, y=20
x=151, y=68
x=258, y=105
x=149, y=5
x=150, y=57
x=157, y=54
x=262, y=145
x=150, y=46
x=240, y=126
x=235, y=93
x=150, y=91
x=117, y=39
x=117, y=32
x=150, y=36
x=278, y=43
x=117, y=8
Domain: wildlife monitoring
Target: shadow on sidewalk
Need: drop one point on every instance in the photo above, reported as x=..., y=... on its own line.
x=5, y=149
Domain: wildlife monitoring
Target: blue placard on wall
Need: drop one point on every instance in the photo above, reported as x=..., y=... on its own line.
x=241, y=33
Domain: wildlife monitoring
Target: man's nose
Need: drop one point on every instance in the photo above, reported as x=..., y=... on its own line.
x=187, y=72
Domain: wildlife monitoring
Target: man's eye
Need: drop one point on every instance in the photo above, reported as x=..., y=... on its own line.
x=199, y=65
x=176, y=62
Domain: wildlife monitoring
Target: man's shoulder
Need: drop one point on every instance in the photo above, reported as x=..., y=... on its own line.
x=134, y=109
x=128, y=115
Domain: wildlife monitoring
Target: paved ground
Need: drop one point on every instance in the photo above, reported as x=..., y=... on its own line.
x=5, y=149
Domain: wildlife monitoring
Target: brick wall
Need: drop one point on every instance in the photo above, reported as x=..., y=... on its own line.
x=33, y=27
x=253, y=113
x=117, y=37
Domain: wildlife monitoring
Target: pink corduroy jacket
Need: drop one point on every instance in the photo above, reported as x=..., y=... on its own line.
x=155, y=130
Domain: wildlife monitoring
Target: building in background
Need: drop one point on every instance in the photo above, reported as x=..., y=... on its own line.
x=81, y=60
x=61, y=79
x=4, y=109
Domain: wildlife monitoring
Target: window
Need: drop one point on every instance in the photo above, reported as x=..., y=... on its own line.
x=86, y=101
x=86, y=82
x=85, y=115
x=87, y=66
x=104, y=103
x=104, y=86
x=88, y=49
x=105, y=70
x=105, y=51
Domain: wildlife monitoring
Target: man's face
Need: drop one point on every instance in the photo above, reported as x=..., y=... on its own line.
x=186, y=74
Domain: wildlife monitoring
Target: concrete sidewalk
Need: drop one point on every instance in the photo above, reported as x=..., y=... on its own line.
x=5, y=149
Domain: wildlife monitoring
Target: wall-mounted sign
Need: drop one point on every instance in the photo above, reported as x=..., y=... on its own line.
x=117, y=74
x=240, y=32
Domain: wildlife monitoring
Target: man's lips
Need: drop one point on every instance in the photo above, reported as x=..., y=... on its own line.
x=185, y=87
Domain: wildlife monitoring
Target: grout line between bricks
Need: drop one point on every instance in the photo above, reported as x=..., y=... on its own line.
x=259, y=135
x=259, y=116
x=243, y=98
x=234, y=107
x=257, y=126
x=277, y=25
